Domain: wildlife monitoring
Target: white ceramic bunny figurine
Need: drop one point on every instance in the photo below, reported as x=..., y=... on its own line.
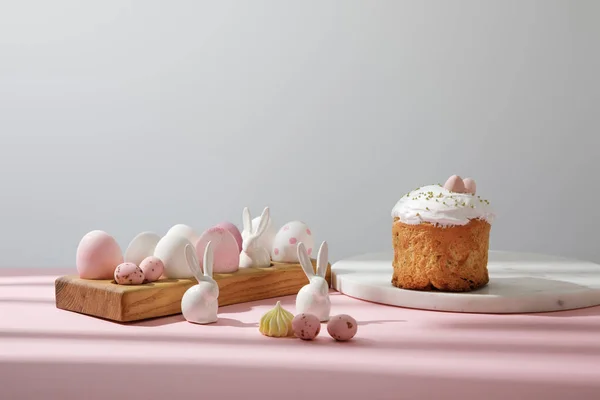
x=314, y=297
x=200, y=303
x=252, y=254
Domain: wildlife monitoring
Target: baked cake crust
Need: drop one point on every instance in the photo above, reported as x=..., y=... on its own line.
x=447, y=258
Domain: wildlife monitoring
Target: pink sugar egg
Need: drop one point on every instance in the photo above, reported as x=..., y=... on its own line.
x=98, y=254
x=226, y=255
x=306, y=326
x=234, y=230
x=152, y=268
x=342, y=327
x=455, y=184
x=128, y=274
x=470, y=186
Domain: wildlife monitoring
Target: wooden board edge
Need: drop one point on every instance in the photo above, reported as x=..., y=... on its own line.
x=120, y=292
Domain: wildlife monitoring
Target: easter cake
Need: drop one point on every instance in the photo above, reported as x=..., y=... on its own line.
x=440, y=237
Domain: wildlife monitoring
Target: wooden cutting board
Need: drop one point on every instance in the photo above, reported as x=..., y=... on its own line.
x=124, y=303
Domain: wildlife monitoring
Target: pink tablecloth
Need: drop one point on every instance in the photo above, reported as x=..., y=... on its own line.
x=46, y=353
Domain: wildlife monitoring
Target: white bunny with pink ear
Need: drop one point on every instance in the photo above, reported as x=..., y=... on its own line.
x=314, y=297
x=200, y=303
x=253, y=254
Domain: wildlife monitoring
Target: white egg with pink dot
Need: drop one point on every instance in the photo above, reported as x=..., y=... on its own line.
x=285, y=244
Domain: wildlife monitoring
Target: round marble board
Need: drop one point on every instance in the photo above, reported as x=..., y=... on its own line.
x=519, y=283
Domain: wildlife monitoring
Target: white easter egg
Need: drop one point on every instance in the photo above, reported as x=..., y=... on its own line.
x=171, y=251
x=184, y=230
x=285, y=244
x=141, y=246
x=266, y=240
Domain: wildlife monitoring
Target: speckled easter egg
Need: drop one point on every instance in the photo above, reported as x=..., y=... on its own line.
x=128, y=274
x=226, y=256
x=152, y=268
x=285, y=244
x=234, y=230
x=98, y=254
x=342, y=327
x=306, y=326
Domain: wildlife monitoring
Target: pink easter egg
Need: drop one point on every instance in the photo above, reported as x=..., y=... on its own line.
x=342, y=327
x=226, y=254
x=98, y=254
x=152, y=267
x=128, y=274
x=470, y=186
x=455, y=184
x=234, y=230
x=306, y=326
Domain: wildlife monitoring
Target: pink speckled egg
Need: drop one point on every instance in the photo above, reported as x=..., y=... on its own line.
x=306, y=326
x=226, y=256
x=98, y=254
x=152, y=268
x=342, y=327
x=128, y=274
x=285, y=244
x=234, y=230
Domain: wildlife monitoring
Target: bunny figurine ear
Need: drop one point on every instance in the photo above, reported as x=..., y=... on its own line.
x=322, y=259
x=264, y=222
x=208, y=260
x=305, y=261
x=192, y=261
x=246, y=220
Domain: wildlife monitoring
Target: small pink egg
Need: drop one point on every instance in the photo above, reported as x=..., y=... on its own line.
x=342, y=327
x=152, y=268
x=306, y=326
x=470, y=186
x=234, y=230
x=129, y=274
x=455, y=184
x=226, y=255
x=98, y=254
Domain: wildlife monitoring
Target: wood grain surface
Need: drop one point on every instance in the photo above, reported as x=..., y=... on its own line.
x=124, y=303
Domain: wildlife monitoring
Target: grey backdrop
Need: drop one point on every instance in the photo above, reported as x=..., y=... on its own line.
x=131, y=116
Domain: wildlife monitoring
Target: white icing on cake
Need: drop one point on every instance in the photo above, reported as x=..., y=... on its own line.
x=439, y=206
